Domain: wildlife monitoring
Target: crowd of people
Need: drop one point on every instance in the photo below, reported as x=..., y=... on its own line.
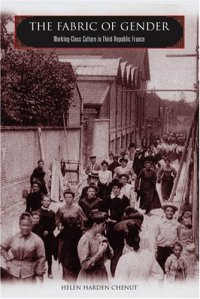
x=106, y=222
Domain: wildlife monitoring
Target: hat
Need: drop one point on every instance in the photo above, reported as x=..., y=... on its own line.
x=133, y=217
x=91, y=157
x=169, y=204
x=138, y=150
x=123, y=159
x=131, y=145
x=93, y=175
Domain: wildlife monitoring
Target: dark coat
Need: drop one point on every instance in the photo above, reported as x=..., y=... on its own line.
x=146, y=184
x=38, y=175
x=88, y=205
x=113, y=165
x=48, y=223
x=33, y=201
x=99, y=192
x=138, y=164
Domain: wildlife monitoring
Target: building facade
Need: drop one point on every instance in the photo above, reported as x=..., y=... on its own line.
x=113, y=95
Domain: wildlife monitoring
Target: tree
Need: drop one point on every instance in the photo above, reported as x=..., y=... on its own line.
x=6, y=38
x=36, y=88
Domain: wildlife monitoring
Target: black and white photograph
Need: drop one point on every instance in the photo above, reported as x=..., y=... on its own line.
x=99, y=155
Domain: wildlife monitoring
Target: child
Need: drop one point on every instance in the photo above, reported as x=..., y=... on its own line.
x=167, y=233
x=175, y=266
x=37, y=227
x=47, y=221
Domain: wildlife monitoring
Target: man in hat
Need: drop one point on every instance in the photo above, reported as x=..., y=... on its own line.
x=114, y=164
x=91, y=202
x=93, y=166
x=138, y=163
x=167, y=233
x=34, y=198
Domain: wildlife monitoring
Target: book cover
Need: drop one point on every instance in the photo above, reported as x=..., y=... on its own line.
x=99, y=143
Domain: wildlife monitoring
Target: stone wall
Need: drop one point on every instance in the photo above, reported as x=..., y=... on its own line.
x=20, y=152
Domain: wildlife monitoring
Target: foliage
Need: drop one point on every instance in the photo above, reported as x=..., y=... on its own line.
x=36, y=88
x=6, y=37
x=180, y=107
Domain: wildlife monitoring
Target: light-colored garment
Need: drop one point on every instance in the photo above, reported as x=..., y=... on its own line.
x=167, y=232
x=128, y=191
x=192, y=262
x=186, y=236
x=105, y=177
x=92, y=264
x=27, y=256
x=137, y=266
x=175, y=268
x=167, y=171
x=124, y=170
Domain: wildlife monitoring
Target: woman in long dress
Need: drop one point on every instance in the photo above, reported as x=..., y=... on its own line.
x=166, y=174
x=138, y=264
x=146, y=186
x=93, y=250
x=70, y=221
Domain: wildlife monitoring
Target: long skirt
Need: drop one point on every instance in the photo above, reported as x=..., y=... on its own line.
x=149, y=200
x=116, y=241
x=68, y=254
x=166, y=188
x=162, y=254
x=97, y=274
